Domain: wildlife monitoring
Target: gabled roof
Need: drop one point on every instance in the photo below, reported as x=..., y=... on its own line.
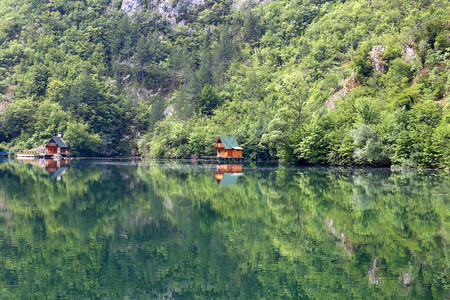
x=59, y=142
x=59, y=172
x=229, y=142
x=229, y=179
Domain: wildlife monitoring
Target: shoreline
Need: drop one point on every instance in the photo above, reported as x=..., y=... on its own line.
x=200, y=160
x=272, y=161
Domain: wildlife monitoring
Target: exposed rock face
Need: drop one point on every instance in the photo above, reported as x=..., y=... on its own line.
x=406, y=278
x=346, y=242
x=241, y=3
x=351, y=83
x=3, y=105
x=9, y=95
x=131, y=6
x=374, y=273
x=169, y=110
x=171, y=9
x=376, y=57
x=409, y=52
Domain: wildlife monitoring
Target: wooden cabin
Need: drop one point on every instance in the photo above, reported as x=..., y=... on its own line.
x=56, y=146
x=227, y=146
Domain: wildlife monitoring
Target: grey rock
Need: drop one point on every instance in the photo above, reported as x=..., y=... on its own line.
x=409, y=52
x=131, y=6
x=376, y=58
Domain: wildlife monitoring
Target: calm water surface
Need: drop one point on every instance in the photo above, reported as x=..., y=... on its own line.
x=122, y=229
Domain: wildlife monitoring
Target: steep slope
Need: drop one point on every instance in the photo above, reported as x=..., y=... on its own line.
x=275, y=94
x=167, y=77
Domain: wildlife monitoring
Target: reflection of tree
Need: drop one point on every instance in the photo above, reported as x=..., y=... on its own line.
x=295, y=208
x=363, y=192
x=157, y=230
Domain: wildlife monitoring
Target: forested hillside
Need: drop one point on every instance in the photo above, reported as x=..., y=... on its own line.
x=353, y=82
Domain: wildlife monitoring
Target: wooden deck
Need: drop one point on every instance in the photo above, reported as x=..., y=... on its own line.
x=36, y=155
x=221, y=160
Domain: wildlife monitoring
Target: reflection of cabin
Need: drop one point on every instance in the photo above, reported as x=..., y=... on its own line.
x=227, y=174
x=57, y=146
x=56, y=168
x=229, y=169
x=227, y=146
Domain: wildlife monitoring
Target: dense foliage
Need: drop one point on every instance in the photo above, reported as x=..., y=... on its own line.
x=275, y=75
x=118, y=230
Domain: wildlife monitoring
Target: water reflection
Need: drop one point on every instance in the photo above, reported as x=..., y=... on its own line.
x=148, y=230
x=55, y=167
x=227, y=174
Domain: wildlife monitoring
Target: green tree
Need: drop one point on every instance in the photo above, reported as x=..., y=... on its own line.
x=208, y=100
x=296, y=88
x=369, y=149
x=81, y=142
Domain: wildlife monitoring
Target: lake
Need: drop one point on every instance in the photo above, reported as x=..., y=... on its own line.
x=144, y=229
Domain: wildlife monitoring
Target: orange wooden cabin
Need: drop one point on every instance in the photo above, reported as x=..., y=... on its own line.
x=227, y=146
x=57, y=146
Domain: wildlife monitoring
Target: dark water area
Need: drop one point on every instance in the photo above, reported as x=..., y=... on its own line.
x=140, y=229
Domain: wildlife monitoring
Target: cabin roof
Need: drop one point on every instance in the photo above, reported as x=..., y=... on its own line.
x=59, y=142
x=59, y=172
x=229, y=142
x=229, y=179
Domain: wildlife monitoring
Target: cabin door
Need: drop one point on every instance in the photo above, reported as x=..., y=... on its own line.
x=51, y=150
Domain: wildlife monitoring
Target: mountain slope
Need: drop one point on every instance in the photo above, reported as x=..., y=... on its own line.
x=167, y=78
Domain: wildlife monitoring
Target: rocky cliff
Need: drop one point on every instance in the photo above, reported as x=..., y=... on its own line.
x=131, y=6
x=171, y=9
x=3, y=105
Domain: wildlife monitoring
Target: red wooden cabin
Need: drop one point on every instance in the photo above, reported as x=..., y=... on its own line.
x=57, y=146
x=227, y=146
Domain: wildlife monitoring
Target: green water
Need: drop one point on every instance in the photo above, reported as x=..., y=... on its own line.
x=139, y=230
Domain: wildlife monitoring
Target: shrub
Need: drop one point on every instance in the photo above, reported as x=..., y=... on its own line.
x=368, y=149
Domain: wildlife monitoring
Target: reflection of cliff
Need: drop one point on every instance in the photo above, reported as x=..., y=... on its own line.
x=346, y=243
x=227, y=174
x=5, y=214
x=172, y=228
x=374, y=273
x=371, y=210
